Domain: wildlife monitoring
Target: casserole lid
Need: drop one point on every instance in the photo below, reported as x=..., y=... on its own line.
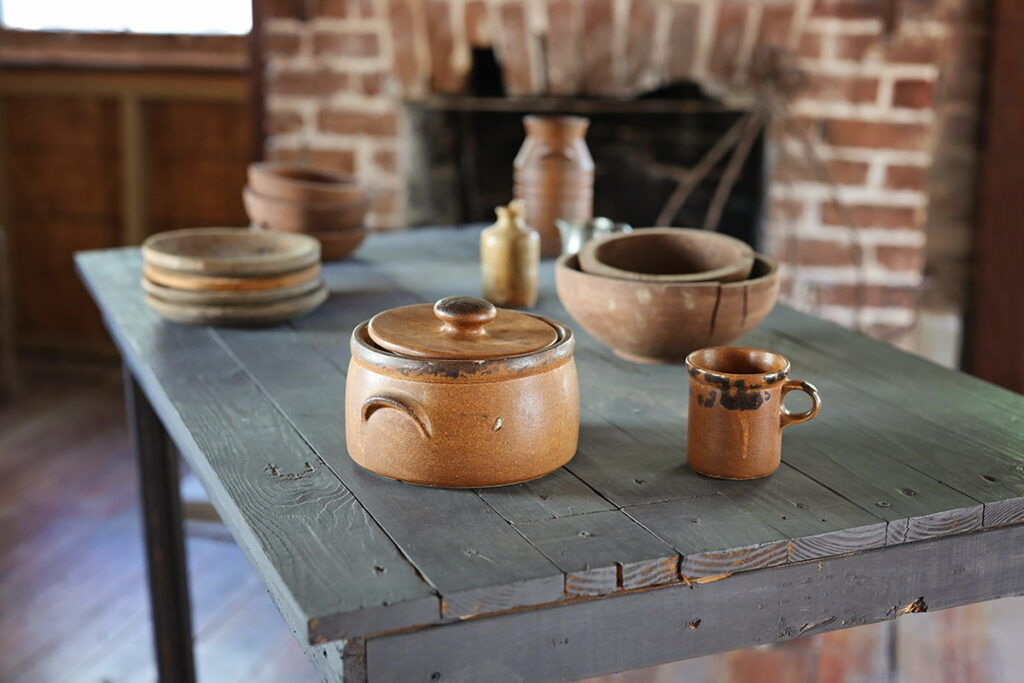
x=462, y=327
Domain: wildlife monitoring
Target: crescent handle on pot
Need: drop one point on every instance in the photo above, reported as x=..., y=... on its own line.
x=403, y=404
x=789, y=418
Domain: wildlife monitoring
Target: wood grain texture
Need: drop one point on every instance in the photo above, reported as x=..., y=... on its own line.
x=765, y=606
x=273, y=492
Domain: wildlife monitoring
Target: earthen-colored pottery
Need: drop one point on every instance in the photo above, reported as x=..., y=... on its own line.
x=239, y=314
x=736, y=413
x=303, y=183
x=461, y=394
x=654, y=322
x=668, y=255
x=286, y=215
x=335, y=246
x=229, y=251
x=510, y=259
x=172, y=278
x=554, y=175
x=228, y=297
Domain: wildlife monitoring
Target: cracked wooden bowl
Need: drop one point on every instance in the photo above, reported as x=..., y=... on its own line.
x=659, y=322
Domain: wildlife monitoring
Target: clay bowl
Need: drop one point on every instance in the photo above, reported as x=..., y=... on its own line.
x=335, y=246
x=285, y=215
x=668, y=255
x=298, y=182
x=657, y=322
x=236, y=252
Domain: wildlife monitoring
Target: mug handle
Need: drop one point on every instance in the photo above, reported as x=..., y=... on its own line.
x=789, y=418
x=403, y=404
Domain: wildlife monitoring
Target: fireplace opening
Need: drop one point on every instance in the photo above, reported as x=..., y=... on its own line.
x=463, y=147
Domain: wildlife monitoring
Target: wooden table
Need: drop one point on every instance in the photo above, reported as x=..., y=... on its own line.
x=905, y=494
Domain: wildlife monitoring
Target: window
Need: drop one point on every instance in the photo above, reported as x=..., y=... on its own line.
x=133, y=16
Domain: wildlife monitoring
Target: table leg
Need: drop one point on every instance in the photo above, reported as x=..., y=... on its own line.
x=165, y=542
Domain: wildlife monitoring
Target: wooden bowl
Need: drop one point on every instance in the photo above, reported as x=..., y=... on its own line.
x=285, y=215
x=657, y=322
x=229, y=251
x=335, y=246
x=668, y=255
x=239, y=314
x=299, y=182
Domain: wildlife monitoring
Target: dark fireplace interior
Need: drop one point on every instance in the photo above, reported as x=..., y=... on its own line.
x=464, y=146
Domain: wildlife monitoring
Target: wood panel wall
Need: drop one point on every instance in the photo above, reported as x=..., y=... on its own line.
x=99, y=158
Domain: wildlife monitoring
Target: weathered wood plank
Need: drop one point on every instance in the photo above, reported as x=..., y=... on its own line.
x=315, y=547
x=573, y=641
x=713, y=535
x=603, y=552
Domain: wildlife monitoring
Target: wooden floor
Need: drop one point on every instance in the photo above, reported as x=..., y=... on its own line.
x=73, y=599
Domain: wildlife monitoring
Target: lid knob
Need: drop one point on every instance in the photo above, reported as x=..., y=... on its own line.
x=465, y=314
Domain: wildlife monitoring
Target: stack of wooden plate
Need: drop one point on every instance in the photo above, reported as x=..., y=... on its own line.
x=314, y=201
x=231, y=276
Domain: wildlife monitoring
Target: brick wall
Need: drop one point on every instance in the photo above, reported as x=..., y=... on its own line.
x=890, y=105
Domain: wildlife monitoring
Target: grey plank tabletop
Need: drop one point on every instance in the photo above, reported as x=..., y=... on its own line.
x=581, y=572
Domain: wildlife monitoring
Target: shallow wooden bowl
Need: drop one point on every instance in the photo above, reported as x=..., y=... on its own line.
x=654, y=322
x=239, y=314
x=229, y=297
x=668, y=255
x=286, y=215
x=299, y=182
x=191, y=282
x=335, y=246
x=229, y=251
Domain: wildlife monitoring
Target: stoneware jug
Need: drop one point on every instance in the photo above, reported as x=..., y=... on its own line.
x=736, y=414
x=554, y=175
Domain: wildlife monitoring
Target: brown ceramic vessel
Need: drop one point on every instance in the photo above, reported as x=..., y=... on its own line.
x=653, y=322
x=668, y=255
x=335, y=246
x=554, y=175
x=737, y=414
x=229, y=251
x=286, y=215
x=461, y=394
x=303, y=183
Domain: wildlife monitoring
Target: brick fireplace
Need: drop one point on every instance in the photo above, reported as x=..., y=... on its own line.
x=890, y=107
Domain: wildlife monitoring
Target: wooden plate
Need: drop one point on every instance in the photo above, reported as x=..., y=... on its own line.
x=229, y=297
x=242, y=314
x=230, y=251
x=176, y=280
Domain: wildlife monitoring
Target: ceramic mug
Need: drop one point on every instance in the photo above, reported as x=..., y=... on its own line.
x=737, y=413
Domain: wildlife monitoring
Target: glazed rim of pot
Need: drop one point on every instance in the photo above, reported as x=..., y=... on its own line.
x=230, y=251
x=763, y=268
x=666, y=255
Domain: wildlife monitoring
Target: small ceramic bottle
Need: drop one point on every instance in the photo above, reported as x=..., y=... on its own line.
x=510, y=259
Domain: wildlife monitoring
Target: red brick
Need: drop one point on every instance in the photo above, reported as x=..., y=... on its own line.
x=900, y=258
x=357, y=123
x=598, y=58
x=283, y=121
x=347, y=44
x=562, y=47
x=776, y=21
x=913, y=94
x=868, y=295
x=856, y=89
x=344, y=9
x=906, y=177
x=514, y=55
x=337, y=160
x=405, y=27
x=867, y=216
x=385, y=160
x=809, y=46
x=307, y=83
x=840, y=171
x=728, y=38
x=445, y=77
x=877, y=135
x=848, y=9
x=822, y=253
x=372, y=84
x=913, y=49
x=283, y=44
x=285, y=9
x=478, y=29
x=683, y=41
x=856, y=48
